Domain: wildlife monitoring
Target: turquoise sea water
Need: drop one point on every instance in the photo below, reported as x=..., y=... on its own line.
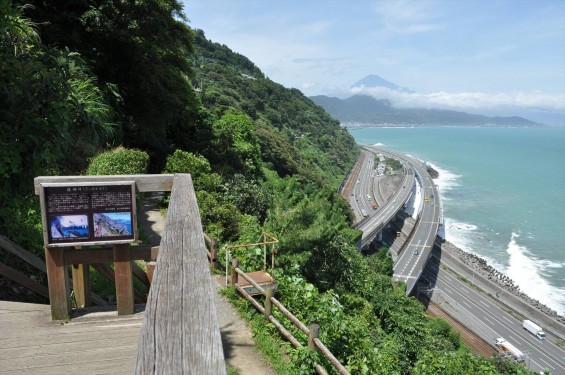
x=503, y=192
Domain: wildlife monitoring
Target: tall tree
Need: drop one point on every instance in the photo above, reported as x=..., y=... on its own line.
x=50, y=107
x=143, y=47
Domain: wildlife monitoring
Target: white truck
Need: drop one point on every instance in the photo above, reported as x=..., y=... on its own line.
x=534, y=329
x=506, y=347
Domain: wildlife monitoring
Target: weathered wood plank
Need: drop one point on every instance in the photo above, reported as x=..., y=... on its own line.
x=81, y=284
x=124, y=279
x=106, y=254
x=22, y=279
x=22, y=253
x=143, y=182
x=58, y=281
x=109, y=274
x=180, y=331
x=140, y=274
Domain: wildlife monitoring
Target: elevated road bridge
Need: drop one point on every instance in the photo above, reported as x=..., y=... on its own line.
x=417, y=248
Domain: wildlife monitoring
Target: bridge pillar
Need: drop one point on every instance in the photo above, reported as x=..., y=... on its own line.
x=380, y=236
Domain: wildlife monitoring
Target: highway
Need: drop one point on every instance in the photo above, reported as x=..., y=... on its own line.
x=365, y=194
x=490, y=320
x=419, y=244
x=481, y=313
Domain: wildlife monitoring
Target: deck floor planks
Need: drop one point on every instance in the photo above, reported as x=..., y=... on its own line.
x=95, y=343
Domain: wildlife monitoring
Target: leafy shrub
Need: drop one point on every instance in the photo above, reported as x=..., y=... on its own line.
x=187, y=162
x=198, y=166
x=119, y=161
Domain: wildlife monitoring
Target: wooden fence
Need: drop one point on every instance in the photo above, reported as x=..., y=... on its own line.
x=314, y=342
x=39, y=264
x=180, y=332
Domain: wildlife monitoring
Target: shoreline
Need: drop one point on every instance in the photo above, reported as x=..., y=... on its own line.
x=482, y=268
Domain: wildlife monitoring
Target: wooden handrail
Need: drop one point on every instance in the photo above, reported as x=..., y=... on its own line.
x=295, y=321
x=180, y=332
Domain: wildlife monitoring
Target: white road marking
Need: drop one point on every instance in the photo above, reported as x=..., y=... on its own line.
x=488, y=320
x=508, y=320
x=465, y=303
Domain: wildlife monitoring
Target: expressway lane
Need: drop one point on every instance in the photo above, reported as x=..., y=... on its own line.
x=363, y=188
x=417, y=248
x=378, y=218
x=419, y=244
x=483, y=315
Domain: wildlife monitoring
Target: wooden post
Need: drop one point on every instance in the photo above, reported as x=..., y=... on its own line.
x=150, y=270
x=314, y=332
x=59, y=296
x=265, y=256
x=123, y=279
x=268, y=303
x=213, y=253
x=234, y=275
x=81, y=284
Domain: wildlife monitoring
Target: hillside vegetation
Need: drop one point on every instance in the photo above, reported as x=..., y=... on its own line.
x=111, y=86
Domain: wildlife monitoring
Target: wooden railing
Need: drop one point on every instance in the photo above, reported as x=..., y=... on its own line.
x=38, y=264
x=180, y=332
x=314, y=342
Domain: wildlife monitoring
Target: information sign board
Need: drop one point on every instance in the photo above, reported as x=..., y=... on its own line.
x=88, y=213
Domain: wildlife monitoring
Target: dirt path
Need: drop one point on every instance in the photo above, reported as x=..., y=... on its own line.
x=237, y=339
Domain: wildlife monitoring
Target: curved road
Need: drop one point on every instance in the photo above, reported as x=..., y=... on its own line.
x=419, y=244
x=479, y=312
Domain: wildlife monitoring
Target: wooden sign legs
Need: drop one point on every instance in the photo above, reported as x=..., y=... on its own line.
x=60, y=291
x=124, y=279
x=59, y=296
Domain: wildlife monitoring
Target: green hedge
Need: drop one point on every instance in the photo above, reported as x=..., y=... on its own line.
x=119, y=161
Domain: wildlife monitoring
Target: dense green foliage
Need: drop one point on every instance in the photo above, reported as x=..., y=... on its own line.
x=89, y=76
x=119, y=161
x=295, y=136
x=50, y=107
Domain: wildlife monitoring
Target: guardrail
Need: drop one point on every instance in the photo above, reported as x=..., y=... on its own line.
x=270, y=301
x=180, y=332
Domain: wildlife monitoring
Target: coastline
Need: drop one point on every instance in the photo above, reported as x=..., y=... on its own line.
x=480, y=266
x=495, y=283
x=486, y=277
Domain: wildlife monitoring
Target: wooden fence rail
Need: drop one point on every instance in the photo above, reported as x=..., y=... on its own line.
x=313, y=341
x=180, y=332
x=39, y=264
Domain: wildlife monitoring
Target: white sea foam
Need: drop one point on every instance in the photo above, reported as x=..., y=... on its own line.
x=527, y=272
x=465, y=237
x=459, y=234
x=446, y=181
x=379, y=144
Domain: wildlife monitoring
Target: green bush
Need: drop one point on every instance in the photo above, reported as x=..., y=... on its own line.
x=119, y=161
x=187, y=162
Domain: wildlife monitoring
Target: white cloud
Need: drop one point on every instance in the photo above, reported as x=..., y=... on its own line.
x=407, y=17
x=550, y=102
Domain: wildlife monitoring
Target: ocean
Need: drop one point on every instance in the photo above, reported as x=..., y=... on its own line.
x=503, y=193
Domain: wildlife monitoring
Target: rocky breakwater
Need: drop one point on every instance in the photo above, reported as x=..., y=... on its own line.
x=482, y=268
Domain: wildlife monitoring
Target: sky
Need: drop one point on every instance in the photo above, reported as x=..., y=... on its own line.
x=502, y=57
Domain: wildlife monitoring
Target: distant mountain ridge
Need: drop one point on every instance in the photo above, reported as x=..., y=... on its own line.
x=364, y=110
x=374, y=80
